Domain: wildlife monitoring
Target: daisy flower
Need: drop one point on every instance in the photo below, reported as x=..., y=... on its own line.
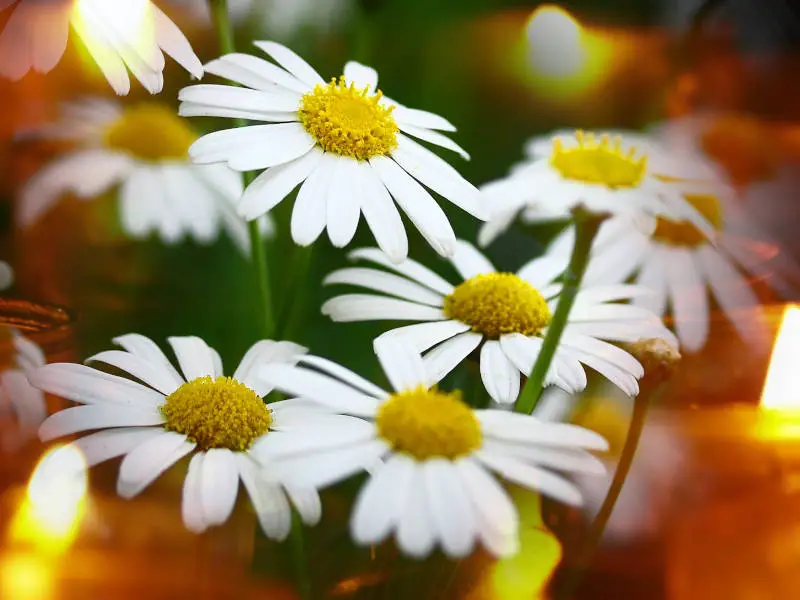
x=119, y=35
x=506, y=315
x=25, y=405
x=143, y=149
x=431, y=456
x=679, y=263
x=164, y=416
x=607, y=174
x=349, y=146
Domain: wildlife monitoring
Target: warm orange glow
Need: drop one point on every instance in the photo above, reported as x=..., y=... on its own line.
x=782, y=386
x=55, y=504
x=26, y=577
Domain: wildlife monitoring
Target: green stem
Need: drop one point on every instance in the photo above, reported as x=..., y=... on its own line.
x=295, y=303
x=227, y=45
x=586, y=226
x=598, y=525
x=298, y=549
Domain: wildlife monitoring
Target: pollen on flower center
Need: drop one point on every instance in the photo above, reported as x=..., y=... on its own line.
x=348, y=121
x=498, y=303
x=151, y=132
x=683, y=233
x=217, y=413
x=429, y=424
x=599, y=162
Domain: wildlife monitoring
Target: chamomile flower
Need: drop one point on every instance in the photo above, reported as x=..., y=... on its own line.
x=606, y=174
x=143, y=149
x=349, y=146
x=164, y=416
x=505, y=315
x=23, y=404
x=431, y=456
x=119, y=35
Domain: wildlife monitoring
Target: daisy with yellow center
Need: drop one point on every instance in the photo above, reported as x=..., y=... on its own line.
x=502, y=317
x=676, y=260
x=143, y=149
x=430, y=456
x=165, y=415
x=119, y=35
x=348, y=147
x=616, y=173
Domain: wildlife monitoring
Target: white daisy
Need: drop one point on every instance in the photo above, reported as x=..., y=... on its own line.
x=504, y=314
x=612, y=173
x=430, y=454
x=25, y=405
x=119, y=35
x=143, y=148
x=164, y=416
x=347, y=144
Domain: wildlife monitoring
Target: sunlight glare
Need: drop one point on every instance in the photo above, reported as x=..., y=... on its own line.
x=782, y=386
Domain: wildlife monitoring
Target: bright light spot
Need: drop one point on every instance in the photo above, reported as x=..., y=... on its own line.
x=51, y=514
x=26, y=577
x=782, y=387
x=556, y=47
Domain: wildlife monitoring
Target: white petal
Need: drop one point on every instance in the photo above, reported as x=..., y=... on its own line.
x=433, y=137
x=219, y=485
x=365, y=307
x=421, y=118
x=435, y=173
x=269, y=501
x=516, y=427
x=452, y=514
x=105, y=56
x=83, y=384
x=149, y=460
x=343, y=203
x=292, y=63
x=382, y=501
x=448, y=355
x=320, y=388
x=307, y=502
x=255, y=72
x=240, y=99
x=174, y=43
x=652, y=276
x=608, y=352
x=422, y=336
x=346, y=375
x=498, y=224
x=382, y=215
x=618, y=260
x=403, y=367
x=261, y=353
x=418, y=204
x=562, y=459
x=532, y=478
x=320, y=433
x=309, y=215
x=99, y=416
x=415, y=533
x=381, y=281
x=194, y=356
x=469, y=262
x=110, y=443
x=192, y=505
x=500, y=377
x=523, y=351
x=409, y=268
x=33, y=38
x=361, y=75
x=687, y=292
x=148, y=350
x=543, y=270
x=149, y=373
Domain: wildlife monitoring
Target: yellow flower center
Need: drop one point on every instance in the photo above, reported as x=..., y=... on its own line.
x=217, y=413
x=602, y=162
x=429, y=424
x=151, y=132
x=683, y=233
x=348, y=121
x=498, y=303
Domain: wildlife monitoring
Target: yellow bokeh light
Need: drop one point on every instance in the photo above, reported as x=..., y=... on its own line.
x=26, y=577
x=781, y=389
x=564, y=57
x=53, y=509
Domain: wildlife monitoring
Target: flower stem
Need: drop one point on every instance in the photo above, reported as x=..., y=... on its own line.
x=258, y=252
x=295, y=304
x=586, y=226
x=598, y=525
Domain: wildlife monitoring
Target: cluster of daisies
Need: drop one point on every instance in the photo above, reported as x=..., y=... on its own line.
x=434, y=462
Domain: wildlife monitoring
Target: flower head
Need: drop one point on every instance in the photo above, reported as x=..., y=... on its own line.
x=167, y=415
x=502, y=316
x=119, y=35
x=430, y=455
x=347, y=146
x=143, y=149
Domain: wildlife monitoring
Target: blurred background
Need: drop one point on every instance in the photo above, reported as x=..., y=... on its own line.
x=711, y=509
